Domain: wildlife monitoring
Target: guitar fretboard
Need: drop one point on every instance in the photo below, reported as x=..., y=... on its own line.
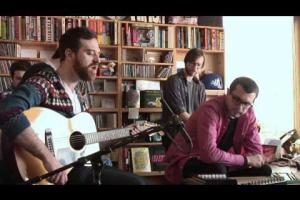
x=92, y=138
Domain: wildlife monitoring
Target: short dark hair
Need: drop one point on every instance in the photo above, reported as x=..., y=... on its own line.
x=246, y=83
x=194, y=54
x=21, y=65
x=71, y=39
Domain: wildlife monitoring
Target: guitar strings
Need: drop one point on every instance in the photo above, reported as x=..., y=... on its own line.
x=96, y=136
x=93, y=136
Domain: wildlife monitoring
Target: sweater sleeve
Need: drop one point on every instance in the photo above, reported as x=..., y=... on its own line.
x=173, y=95
x=12, y=119
x=252, y=142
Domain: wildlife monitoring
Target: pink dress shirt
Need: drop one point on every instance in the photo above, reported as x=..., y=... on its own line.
x=206, y=127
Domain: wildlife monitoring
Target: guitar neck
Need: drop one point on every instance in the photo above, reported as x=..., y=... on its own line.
x=103, y=136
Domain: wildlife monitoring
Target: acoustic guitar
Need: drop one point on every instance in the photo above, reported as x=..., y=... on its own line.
x=67, y=138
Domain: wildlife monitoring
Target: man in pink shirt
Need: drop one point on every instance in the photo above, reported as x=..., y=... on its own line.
x=225, y=138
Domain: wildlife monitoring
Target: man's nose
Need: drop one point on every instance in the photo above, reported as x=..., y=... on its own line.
x=241, y=107
x=96, y=58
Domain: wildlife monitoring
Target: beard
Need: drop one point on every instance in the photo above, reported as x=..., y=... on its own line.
x=190, y=72
x=194, y=75
x=85, y=73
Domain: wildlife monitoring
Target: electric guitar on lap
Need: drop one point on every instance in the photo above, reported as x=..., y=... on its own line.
x=67, y=138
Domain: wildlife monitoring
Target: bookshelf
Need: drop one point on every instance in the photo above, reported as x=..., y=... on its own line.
x=10, y=51
x=35, y=38
x=131, y=52
x=168, y=38
x=211, y=40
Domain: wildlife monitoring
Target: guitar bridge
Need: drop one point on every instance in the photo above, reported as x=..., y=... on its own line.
x=49, y=141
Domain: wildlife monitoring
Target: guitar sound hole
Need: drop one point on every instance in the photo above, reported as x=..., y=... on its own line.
x=77, y=140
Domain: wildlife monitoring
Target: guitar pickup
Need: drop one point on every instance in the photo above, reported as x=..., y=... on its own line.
x=49, y=141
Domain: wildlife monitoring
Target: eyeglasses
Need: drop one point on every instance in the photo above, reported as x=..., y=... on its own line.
x=238, y=100
x=195, y=64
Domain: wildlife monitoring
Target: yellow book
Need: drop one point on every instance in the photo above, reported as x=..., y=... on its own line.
x=140, y=159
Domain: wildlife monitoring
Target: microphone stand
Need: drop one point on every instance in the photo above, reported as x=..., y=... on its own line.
x=95, y=158
x=177, y=121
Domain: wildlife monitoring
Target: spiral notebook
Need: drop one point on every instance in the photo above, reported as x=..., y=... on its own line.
x=222, y=179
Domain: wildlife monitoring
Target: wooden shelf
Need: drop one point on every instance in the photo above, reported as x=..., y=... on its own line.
x=153, y=173
x=103, y=93
x=32, y=43
x=146, y=23
x=106, y=77
x=148, y=48
x=145, y=110
x=83, y=18
x=215, y=92
x=141, y=78
x=213, y=51
x=96, y=110
x=108, y=46
x=146, y=63
x=107, y=61
x=21, y=58
x=5, y=75
x=184, y=50
x=197, y=26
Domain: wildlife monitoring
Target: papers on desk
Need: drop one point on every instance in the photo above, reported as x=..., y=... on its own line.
x=290, y=178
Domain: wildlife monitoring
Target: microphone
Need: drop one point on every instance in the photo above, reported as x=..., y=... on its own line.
x=177, y=122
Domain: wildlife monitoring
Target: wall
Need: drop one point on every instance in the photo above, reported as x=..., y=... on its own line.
x=261, y=48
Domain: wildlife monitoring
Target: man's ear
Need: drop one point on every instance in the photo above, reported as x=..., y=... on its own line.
x=68, y=53
x=228, y=91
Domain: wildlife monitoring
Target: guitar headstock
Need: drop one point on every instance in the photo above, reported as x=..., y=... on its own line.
x=143, y=125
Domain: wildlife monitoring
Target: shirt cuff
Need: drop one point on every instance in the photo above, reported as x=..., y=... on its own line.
x=17, y=125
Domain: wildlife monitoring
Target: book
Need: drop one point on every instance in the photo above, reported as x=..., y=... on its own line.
x=132, y=55
x=150, y=99
x=110, y=86
x=108, y=102
x=157, y=158
x=140, y=159
x=110, y=120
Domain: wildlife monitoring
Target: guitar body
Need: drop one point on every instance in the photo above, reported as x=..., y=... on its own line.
x=26, y=166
